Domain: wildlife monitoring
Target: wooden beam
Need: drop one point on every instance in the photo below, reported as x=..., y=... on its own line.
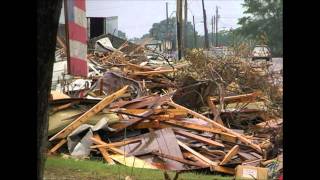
x=198, y=138
x=240, y=137
x=117, y=144
x=229, y=138
x=151, y=124
x=239, y=98
x=103, y=151
x=213, y=168
x=121, y=126
x=175, y=112
x=184, y=161
x=205, y=159
x=116, y=150
x=223, y=169
x=153, y=72
x=91, y=112
x=196, y=127
x=229, y=155
x=215, y=111
x=57, y=146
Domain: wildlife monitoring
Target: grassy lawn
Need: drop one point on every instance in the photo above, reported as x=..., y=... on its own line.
x=69, y=169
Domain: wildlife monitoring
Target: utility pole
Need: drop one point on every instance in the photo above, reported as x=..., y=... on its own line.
x=206, y=38
x=194, y=34
x=167, y=29
x=212, y=44
x=214, y=26
x=179, y=29
x=217, y=17
x=185, y=23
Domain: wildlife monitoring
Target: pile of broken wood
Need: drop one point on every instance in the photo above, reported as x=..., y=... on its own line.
x=155, y=132
x=137, y=115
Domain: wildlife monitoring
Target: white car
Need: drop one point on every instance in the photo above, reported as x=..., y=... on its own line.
x=261, y=52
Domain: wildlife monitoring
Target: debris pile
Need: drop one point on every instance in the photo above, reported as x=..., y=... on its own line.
x=200, y=113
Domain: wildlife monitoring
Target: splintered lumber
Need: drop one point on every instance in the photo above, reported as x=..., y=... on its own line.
x=116, y=144
x=154, y=72
x=217, y=168
x=239, y=136
x=137, y=67
x=239, y=98
x=246, y=156
x=121, y=126
x=229, y=155
x=205, y=159
x=184, y=161
x=91, y=112
x=157, y=102
x=216, y=152
x=229, y=138
x=103, y=151
x=57, y=146
x=198, y=138
x=100, y=142
x=150, y=124
x=223, y=169
x=197, y=127
x=58, y=108
x=215, y=111
x=175, y=112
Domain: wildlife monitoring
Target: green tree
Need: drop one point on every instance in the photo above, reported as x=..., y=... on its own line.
x=263, y=23
x=159, y=32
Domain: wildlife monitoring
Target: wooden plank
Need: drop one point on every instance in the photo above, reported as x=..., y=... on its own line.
x=212, y=168
x=121, y=126
x=205, y=159
x=215, y=111
x=184, y=161
x=116, y=150
x=239, y=98
x=246, y=156
x=175, y=112
x=117, y=144
x=223, y=169
x=198, y=138
x=229, y=138
x=57, y=146
x=91, y=112
x=157, y=102
x=150, y=124
x=252, y=162
x=164, y=141
x=153, y=72
x=256, y=155
x=103, y=151
x=239, y=136
x=229, y=155
x=196, y=127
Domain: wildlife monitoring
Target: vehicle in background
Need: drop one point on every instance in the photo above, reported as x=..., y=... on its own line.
x=261, y=52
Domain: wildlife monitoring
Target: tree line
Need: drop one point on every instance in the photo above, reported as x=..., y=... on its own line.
x=262, y=24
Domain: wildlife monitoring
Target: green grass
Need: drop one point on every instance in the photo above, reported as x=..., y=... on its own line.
x=59, y=168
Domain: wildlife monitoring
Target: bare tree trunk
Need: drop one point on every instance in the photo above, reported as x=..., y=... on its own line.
x=48, y=13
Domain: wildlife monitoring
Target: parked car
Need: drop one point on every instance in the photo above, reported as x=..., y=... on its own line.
x=261, y=52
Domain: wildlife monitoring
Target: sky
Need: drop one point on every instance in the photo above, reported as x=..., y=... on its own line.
x=135, y=17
